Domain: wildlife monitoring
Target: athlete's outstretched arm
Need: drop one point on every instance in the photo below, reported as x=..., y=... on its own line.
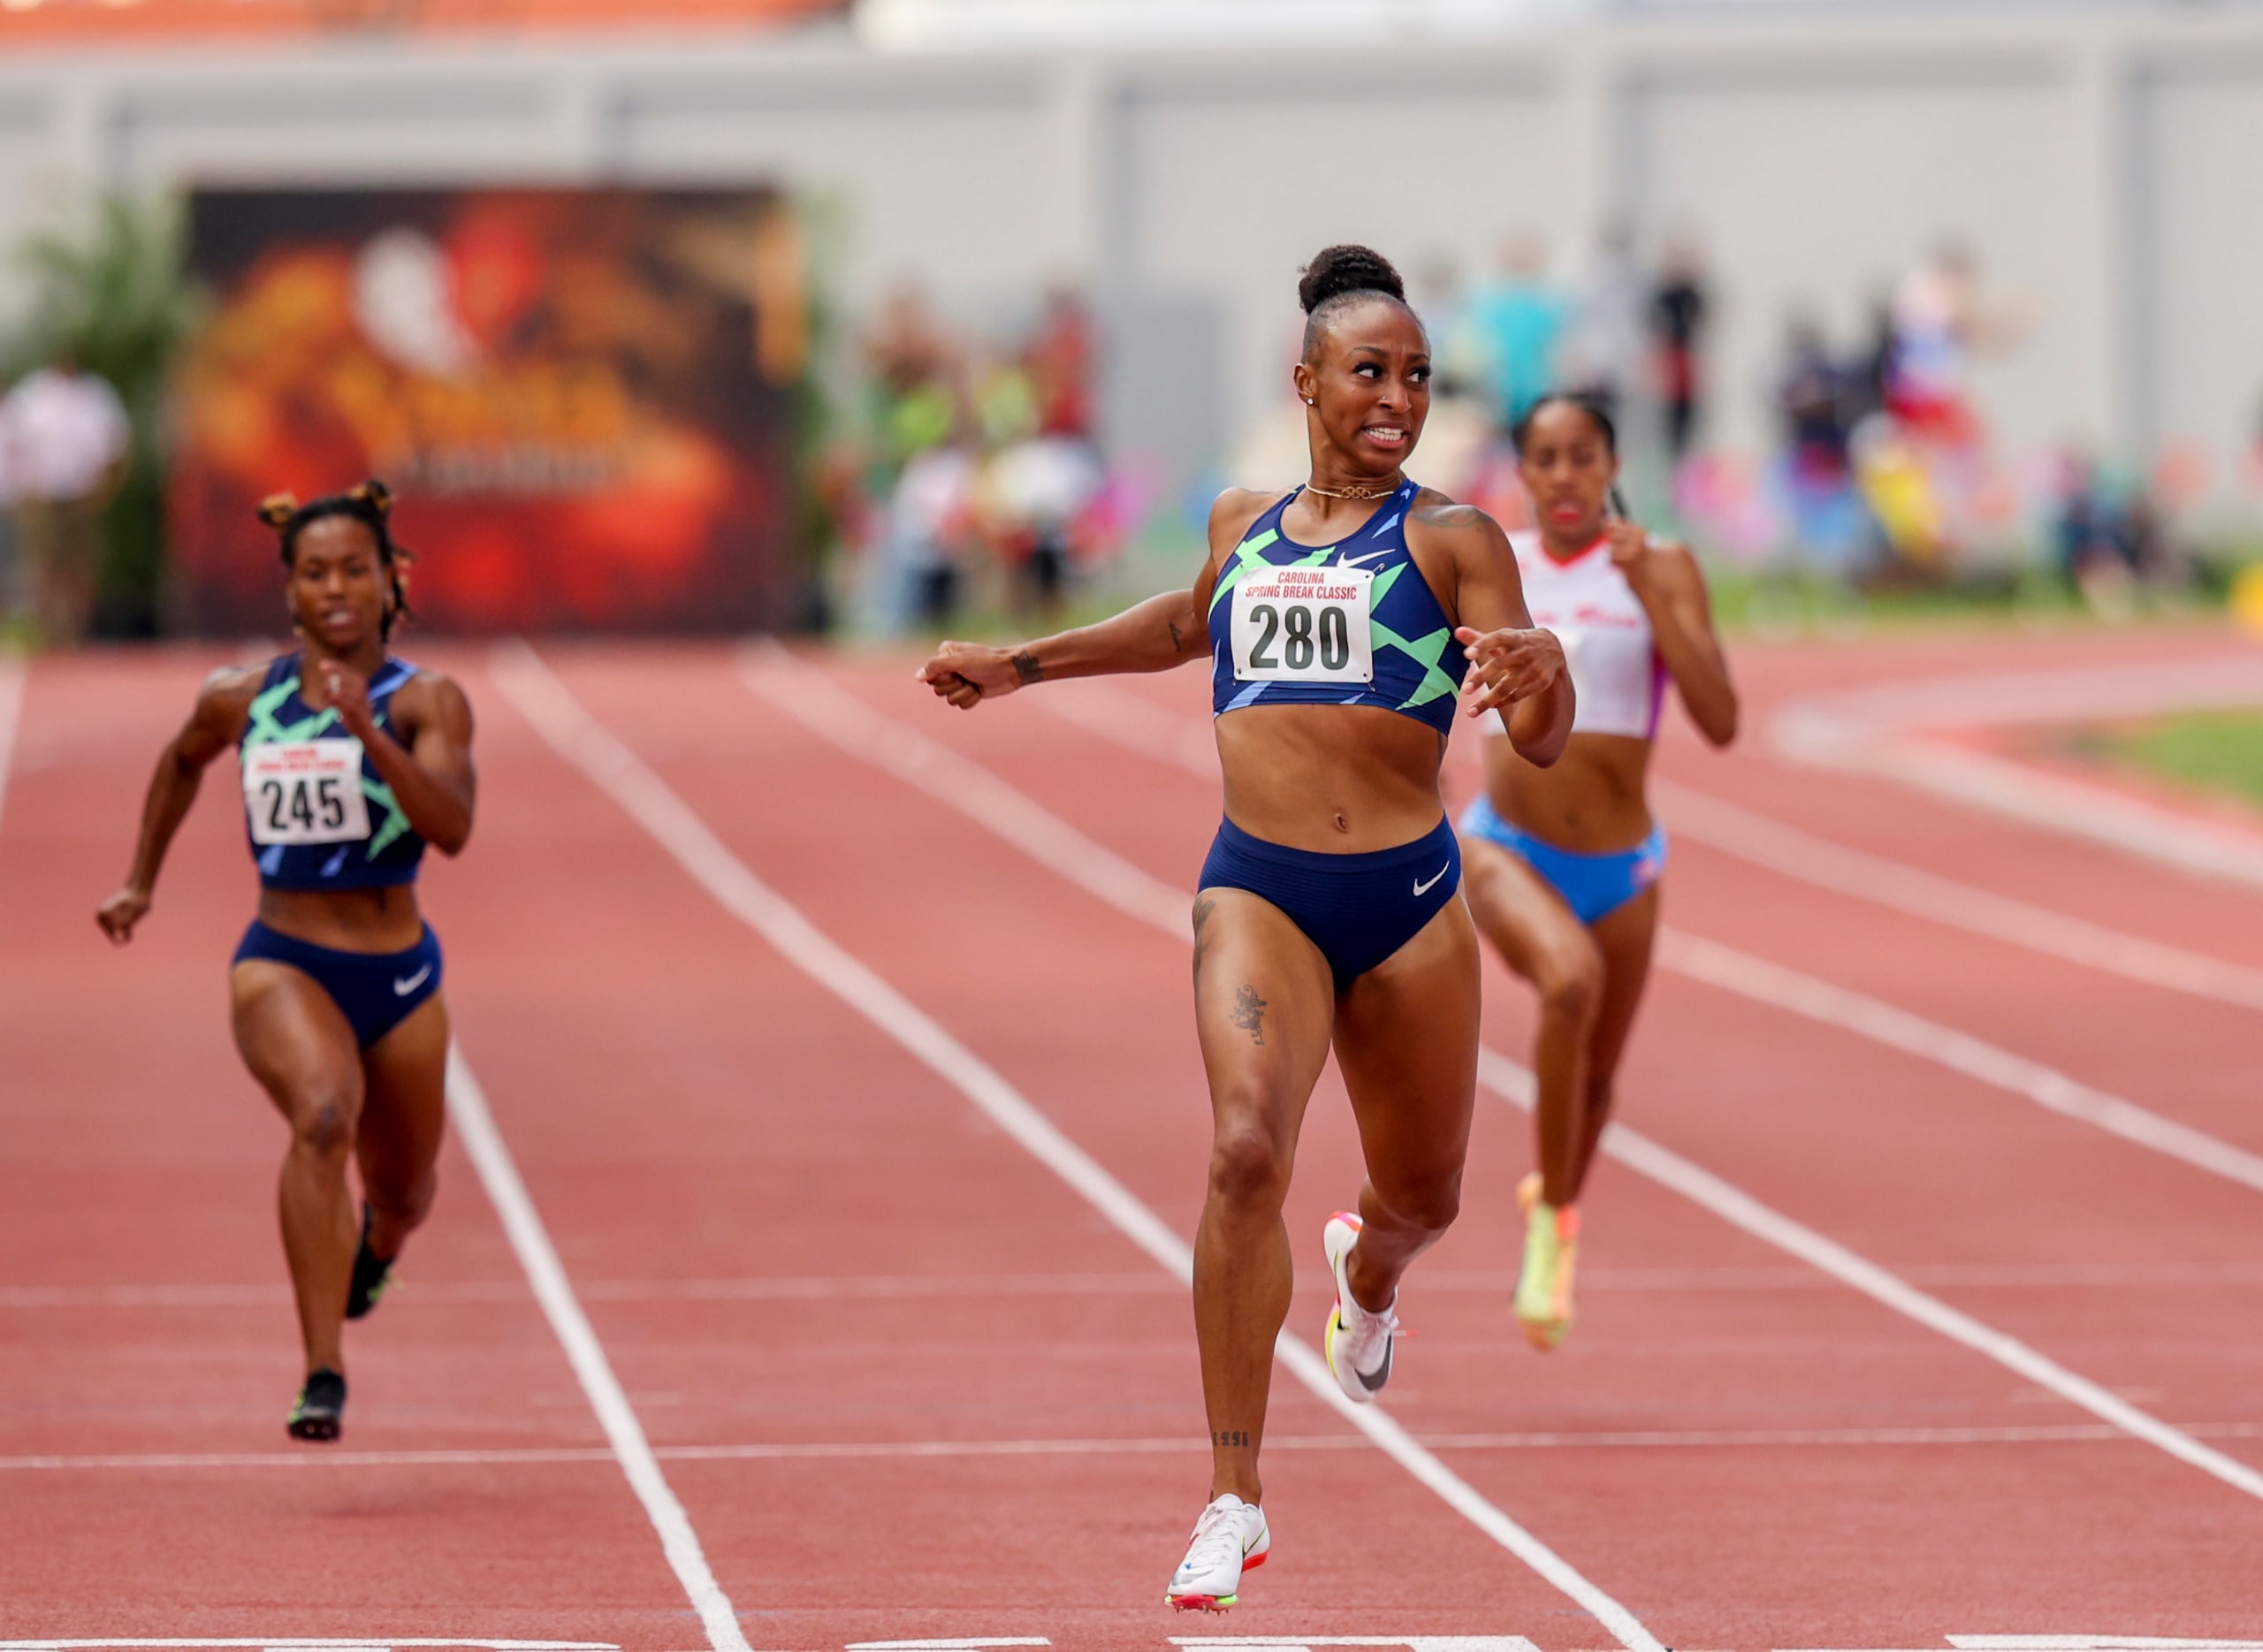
x=1514, y=667
x=430, y=767
x=1164, y=632
x=215, y=725
x=1667, y=582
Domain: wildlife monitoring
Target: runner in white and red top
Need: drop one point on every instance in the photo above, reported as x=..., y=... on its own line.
x=1562, y=864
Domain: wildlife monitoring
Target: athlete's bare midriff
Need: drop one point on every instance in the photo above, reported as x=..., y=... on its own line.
x=1595, y=801
x=386, y=919
x=1337, y=779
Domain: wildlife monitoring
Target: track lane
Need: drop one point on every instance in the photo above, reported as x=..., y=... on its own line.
x=1053, y=764
x=141, y=1154
x=841, y=835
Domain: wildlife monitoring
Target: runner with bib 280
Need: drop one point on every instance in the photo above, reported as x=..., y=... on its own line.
x=351, y=761
x=1346, y=621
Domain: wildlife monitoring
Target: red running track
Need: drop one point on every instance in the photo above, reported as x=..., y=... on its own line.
x=908, y=1384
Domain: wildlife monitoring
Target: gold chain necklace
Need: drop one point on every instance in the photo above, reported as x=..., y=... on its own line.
x=1383, y=492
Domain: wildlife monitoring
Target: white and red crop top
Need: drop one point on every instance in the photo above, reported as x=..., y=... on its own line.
x=1617, y=675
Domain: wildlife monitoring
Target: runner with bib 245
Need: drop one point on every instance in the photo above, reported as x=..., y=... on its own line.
x=352, y=761
x=1346, y=620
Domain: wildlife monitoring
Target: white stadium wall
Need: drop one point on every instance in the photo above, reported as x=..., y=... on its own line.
x=2101, y=166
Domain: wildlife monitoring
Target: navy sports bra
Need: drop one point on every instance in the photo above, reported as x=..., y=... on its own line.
x=1348, y=624
x=316, y=812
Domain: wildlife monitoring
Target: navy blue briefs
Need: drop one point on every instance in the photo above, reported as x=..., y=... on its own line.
x=377, y=991
x=1357, y=908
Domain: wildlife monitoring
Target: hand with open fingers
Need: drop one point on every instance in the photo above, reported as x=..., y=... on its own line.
x=348, y=691
x=1508, y=666
x=121, y=912
x=966, y=674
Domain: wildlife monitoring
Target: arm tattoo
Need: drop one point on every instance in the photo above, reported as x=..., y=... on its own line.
x=1232, y=1437
x=1177, y=638
x=1027, y=669
x=1249, y=1014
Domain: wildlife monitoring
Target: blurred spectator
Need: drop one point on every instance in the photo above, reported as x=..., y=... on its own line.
x=2110, y=534
x=1939, y=323
x=1059, y=361
x=1678, y=316
x=1517, y=320
x=1602, y=352
x=1817, y=400
x=1045, y=474
x=930, y=526
x=65, y=436
x=980, y=458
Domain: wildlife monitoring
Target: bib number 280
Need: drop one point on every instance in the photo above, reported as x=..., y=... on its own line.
x=307, y=791
x=1303, y=625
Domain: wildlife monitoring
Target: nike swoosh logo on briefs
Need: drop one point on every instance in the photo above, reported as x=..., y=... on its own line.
x=1425, y=888
x=401, y=989
x=1354, y=561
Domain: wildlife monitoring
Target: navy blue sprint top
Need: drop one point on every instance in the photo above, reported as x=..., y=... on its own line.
x=1282, y=636
x=316, y=813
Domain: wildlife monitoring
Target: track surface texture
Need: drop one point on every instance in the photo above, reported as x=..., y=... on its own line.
x=841, y=1045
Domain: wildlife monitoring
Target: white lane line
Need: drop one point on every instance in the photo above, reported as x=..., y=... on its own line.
x=992, y=1287
x=844, y=715
x=2056, y=802
x=482, y=1141
x=1881, y=1022
x=1881, y=731
x=1785, y=850
x=1741, y=973
x=577, y=737
x=1734, y=1206
x=12, y=675
x=915, y=1450
x=1133, y=722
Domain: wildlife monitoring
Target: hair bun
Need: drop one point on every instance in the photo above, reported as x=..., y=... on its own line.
x=277, y=509
x=1337, y=270
x=373, y=494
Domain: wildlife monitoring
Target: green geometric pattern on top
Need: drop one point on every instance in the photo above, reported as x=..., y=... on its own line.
x=1425, y=652
x=1249, y=556
x=265, y=731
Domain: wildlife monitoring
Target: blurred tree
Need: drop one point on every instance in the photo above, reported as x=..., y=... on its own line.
x=114, y=294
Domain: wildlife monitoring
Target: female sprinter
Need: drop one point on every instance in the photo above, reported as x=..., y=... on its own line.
x=1563, y=866
x=1338, y=616
x=352, y=761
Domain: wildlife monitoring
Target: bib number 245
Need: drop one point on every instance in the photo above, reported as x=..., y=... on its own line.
x=305, y=792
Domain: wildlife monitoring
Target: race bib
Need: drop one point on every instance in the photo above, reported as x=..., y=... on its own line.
x=1303, y=625
x=306, y=791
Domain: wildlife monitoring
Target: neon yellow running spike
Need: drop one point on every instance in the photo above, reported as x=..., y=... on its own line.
x=1552, y=1253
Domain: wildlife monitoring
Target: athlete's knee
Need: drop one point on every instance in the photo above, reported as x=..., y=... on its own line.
x=1571, y=982
x=1249, y=1166
x=1429, y=1203
x=322, y=1122
x=405, y=1208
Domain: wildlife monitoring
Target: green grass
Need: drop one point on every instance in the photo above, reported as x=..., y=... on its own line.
x=2219, y=751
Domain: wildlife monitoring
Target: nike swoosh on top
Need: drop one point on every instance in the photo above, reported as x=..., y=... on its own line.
x=401, y=989
x=1354, y=561
x=1425, y=888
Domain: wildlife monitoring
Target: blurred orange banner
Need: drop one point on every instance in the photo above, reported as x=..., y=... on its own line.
x=582, y=399
x=22, y=21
